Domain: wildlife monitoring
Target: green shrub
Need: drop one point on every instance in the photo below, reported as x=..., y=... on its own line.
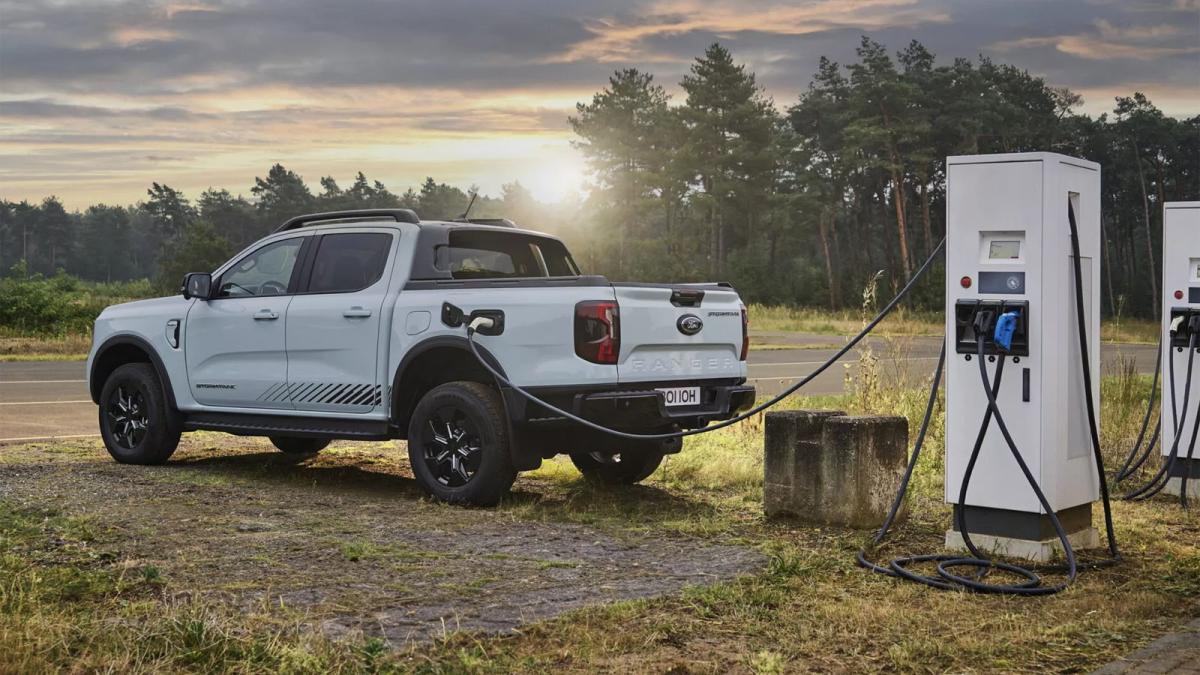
x=61, y=304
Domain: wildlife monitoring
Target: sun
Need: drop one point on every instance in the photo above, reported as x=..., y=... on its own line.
x=556, y=178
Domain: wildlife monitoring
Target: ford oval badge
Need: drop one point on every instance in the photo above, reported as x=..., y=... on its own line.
x=689, y=324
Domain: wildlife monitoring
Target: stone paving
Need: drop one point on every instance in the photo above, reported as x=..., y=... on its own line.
x=1177, y=653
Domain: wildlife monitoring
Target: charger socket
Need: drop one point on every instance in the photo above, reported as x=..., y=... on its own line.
x=966, y=339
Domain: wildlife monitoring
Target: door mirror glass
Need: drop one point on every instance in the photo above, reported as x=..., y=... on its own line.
x=197, y=285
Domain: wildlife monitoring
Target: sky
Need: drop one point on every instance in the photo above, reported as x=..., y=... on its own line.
x=99, y=98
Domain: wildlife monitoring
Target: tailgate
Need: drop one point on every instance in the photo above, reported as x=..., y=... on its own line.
x=681, y=332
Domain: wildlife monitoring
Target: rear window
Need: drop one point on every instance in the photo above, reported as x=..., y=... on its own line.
x=474, y=254
x=349, y=262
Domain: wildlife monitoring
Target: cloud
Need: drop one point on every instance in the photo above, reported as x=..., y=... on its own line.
x=47, y=109
x=97, y=98
x=1105, y=41
x=624, y=39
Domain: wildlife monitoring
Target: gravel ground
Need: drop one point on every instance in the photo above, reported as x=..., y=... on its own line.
x=347, y=541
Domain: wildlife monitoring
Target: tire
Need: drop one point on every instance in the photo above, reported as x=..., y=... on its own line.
x=293, y=445
x=470, y=462
x=616, y=468
x=136, y=421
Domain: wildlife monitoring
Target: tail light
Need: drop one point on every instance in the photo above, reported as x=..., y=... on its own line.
x=598, y=331
x=745, y=334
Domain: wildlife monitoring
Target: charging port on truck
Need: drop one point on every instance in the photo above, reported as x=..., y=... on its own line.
x=1004, y=325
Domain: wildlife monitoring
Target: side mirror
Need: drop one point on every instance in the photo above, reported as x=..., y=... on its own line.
x=197, y=285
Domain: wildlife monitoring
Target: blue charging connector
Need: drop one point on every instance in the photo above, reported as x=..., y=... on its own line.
x=1006, y=327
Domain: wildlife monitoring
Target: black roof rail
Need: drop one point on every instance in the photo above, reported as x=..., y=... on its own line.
x=495, y=222
x=399, y=215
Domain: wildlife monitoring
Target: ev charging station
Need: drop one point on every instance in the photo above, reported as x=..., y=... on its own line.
x=1181, y=301
x=1009, y=254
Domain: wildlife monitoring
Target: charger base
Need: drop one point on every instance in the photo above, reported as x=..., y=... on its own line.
x=1020, y=534
x=1188, y=467
x=1045, y=550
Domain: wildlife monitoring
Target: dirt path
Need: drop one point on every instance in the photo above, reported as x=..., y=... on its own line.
x=346, y=541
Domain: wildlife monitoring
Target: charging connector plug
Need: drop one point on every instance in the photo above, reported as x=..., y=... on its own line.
x=1176, y=324
x=984, y=322
x=480, y=323
x=1006, y=328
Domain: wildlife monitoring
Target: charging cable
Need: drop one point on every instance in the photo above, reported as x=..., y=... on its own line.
x=1162, y=477
x=1130, y=465
x=482, y=322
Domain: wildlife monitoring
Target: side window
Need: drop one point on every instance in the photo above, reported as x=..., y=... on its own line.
x=266, y=271
x=349, y=262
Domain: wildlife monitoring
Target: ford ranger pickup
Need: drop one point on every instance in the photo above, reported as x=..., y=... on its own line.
x=350, y=325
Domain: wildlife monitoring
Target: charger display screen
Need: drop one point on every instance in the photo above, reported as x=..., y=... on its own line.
x=1004, y=249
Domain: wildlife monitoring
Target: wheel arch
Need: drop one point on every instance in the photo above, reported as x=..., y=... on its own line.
x=119, y=350
x=434, y=361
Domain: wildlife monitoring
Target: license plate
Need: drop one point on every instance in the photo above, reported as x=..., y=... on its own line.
x=674, y=396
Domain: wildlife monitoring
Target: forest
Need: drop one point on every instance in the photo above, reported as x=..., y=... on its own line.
x=797, y=203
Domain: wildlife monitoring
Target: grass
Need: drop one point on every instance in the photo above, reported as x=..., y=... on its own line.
x=17, y=347
x=71, y=599
x=764, y=319
x=905, y=322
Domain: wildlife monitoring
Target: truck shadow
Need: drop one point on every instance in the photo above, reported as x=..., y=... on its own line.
x=375, y=478
x=279, y=469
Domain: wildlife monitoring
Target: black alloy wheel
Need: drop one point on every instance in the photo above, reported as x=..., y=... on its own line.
x=128, y=415
x=452, y=446
x=458, y=444
x=137, y=422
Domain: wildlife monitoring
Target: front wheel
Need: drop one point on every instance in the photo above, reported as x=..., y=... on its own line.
x=458, y=444
x=615, y=468
x=136, y=421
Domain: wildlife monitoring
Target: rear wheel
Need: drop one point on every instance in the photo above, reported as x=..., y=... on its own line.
x=615, y=468
x=458, y=444
x=299, y=446
x=136, y=421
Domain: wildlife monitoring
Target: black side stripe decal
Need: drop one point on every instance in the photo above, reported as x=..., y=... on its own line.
x=327, y=393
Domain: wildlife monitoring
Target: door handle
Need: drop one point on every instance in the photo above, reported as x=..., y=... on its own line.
x=265, y=315
x=356, y=312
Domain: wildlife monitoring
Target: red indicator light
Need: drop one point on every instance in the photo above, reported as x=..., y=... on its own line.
x=965, y=282
x=1178, y=295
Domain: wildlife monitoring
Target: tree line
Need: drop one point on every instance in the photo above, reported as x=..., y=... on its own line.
x=167, y=235
x=796, y=204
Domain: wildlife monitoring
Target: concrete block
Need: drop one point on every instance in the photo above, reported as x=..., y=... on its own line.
x=790, y=438
x=827, y=468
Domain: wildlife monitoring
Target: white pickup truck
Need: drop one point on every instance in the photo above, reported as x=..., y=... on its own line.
x=350, y=325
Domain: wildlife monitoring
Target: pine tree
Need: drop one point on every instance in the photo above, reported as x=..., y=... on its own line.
x=730, y=123
x=281, y=195
x=622, y=137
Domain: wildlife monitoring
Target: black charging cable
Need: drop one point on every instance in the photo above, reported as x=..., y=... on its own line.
x=898, y=566
x=480, y=322
x=1163, y=476
x=1085, y=362
x=946, y=579
x=1130, y=465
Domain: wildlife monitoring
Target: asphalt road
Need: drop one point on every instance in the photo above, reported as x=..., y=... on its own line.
x=41, y=400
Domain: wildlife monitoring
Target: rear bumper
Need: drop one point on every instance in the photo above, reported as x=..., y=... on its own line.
x=634, y=407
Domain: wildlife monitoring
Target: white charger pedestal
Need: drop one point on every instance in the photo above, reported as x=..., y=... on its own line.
x=1181, y=295
x=1008, y=245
